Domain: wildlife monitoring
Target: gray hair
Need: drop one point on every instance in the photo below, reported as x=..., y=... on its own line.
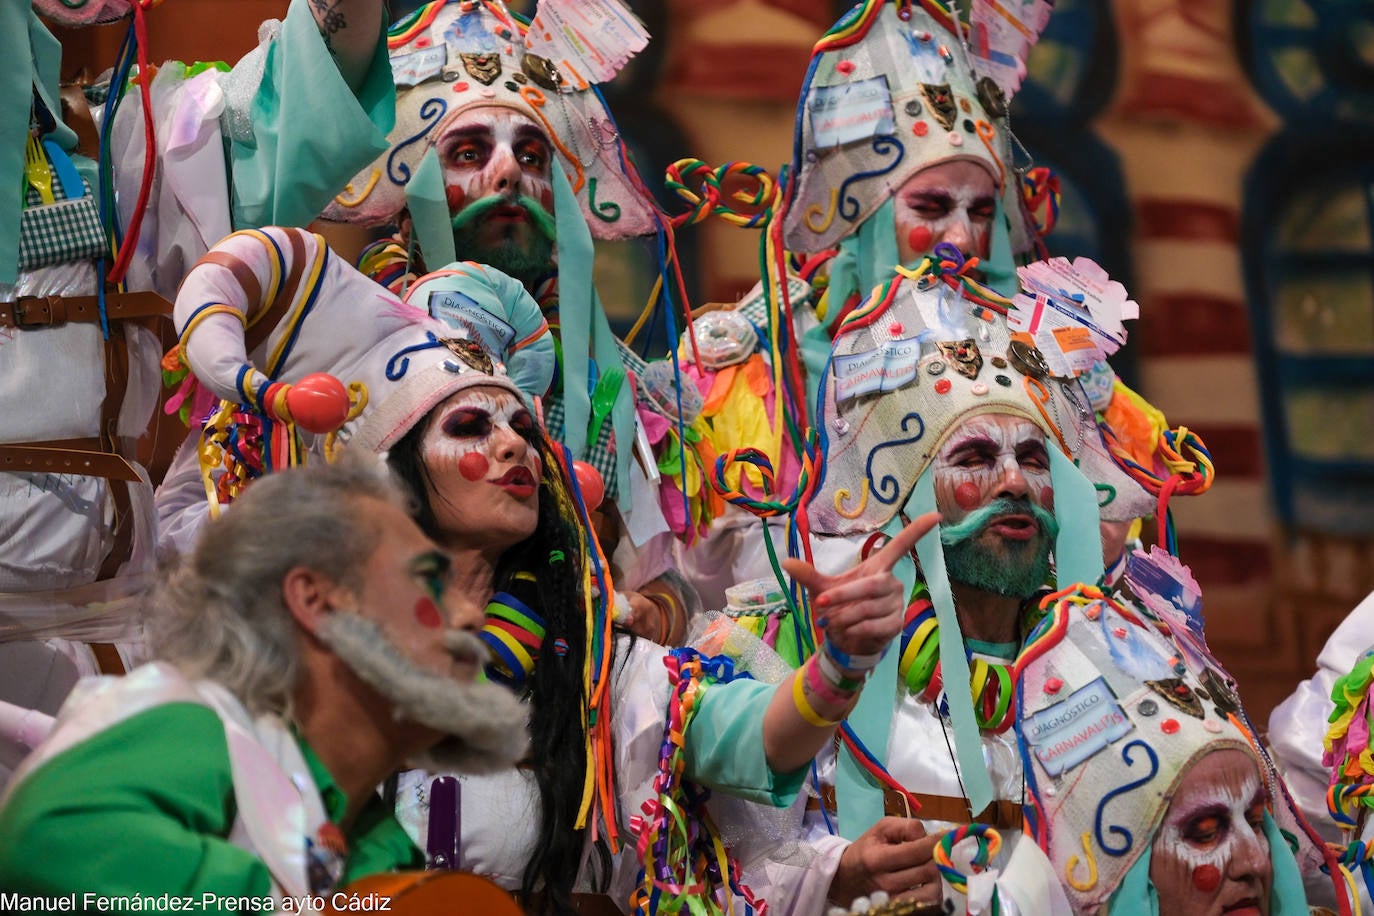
x=218, y=613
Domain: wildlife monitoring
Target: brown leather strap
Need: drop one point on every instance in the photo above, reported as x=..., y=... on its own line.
x=243, y=275
x=260, y=327
x=107, y=657
x=32, y=312
x=40, y=459
x=1002, y=813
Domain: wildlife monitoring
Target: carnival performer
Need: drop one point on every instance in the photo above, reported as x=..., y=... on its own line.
x=505, y=153
x=265, y=142
x=939, y=394
x=313, y=641
x=1146, y=785
x=494, y=490
x=1299, y=725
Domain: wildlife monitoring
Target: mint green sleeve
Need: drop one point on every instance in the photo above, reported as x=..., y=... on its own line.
x=144, y=807
x=311, y=133
x=724, y=745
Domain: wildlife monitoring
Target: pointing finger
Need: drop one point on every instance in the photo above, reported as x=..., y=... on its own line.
x=891, y=552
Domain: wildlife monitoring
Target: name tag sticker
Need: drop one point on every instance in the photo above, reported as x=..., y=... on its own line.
x=851, y=111
x=458, y=310
x=1076, y=728
x=413, y=69
x=886, y=368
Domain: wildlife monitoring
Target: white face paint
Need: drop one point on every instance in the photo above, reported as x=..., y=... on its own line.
x=952, y=202
x=987, y=455
x=479, y=451
x=486, y=151
x=1210, y=855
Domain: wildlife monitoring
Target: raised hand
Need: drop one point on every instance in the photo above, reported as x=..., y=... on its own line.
x=861, y=609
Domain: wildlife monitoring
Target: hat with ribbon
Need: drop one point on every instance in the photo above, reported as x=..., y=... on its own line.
x=298, y=346
x=931, y=348
x=1114, y=706
x=896, y=87
x=452, y=56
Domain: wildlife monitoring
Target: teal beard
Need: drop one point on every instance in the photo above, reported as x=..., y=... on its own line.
x=1014, y=569
x=526, y=262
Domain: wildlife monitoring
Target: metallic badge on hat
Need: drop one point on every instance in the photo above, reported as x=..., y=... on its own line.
x=1178, y=695
x=542, y=71
x=470, y=352
x=1222, y=691
x=963, y=355
x=1027, y=359
x=940, y=101
x=483, y=66
x=992, y=97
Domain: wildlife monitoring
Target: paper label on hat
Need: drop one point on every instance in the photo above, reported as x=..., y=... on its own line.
x=418, y=66
x=458, y=310
x=589, y=41
x=851, y=111
x=887, y=368
x=1069, y=732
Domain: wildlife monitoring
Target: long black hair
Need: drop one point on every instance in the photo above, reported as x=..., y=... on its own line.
x=555, y=557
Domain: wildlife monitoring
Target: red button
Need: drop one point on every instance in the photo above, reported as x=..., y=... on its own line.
x=1169, y=726
x=942, y=386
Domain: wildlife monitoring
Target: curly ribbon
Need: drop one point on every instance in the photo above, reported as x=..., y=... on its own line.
x=818, y=220
x=357, y=403
x=1089, y=862
x=989, y=844
x=684, y=864
x=758, y=194
x=948, y=265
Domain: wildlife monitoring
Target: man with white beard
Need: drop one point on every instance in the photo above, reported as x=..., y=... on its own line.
x=310, y=646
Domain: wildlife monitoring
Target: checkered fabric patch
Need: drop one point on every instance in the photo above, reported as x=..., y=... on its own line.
x=59, y=233
x=602, y=455
x=755, y=307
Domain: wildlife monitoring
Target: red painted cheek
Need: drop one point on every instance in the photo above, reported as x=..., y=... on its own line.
x=919, y=239
x=473, y=466
x=1047, y=499
x=546, y=198
x=1206, y=878
x=457, y=198
x=427, y=614
x=967, y=497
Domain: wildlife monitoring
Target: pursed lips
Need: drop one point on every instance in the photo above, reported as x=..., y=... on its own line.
x=518, y=481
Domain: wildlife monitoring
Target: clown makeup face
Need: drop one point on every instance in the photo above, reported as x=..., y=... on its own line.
x=405, y=593
x=992, y=486
x=1211, y=855
x=483, y=468
x=500, y=195
x=951, y=202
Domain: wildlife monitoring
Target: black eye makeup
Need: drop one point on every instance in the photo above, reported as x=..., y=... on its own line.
x=432, y=569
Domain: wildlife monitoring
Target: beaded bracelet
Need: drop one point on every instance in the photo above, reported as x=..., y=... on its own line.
x=804, y=707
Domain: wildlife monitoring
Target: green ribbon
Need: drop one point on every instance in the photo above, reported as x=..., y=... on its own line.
x=587, y=339
x=1078, y=548
x=429, y=214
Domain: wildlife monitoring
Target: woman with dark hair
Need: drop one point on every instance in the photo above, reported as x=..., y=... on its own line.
x=449, y=404
x=497, y=496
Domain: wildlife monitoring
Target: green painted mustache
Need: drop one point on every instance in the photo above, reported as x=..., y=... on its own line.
x=542, y=219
